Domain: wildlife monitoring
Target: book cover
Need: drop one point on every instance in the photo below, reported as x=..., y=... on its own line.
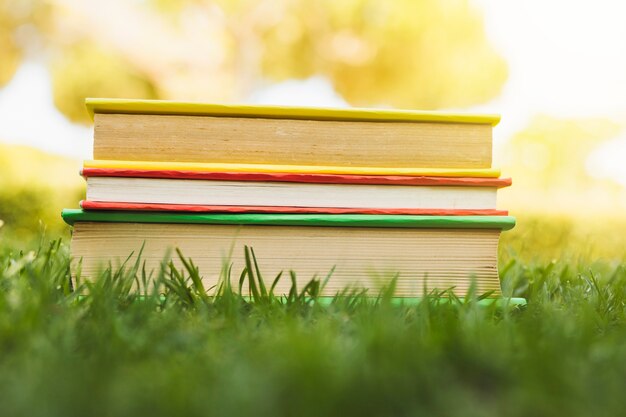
x=202, y=167
x=165, y=107
x=71, y=216
x=134, y=170
x=202, y=208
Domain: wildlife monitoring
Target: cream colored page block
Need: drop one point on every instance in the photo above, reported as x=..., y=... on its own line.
x=253, y=193
x=291, y=142
x=361, y=256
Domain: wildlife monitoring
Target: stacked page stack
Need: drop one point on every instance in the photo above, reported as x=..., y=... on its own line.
x=369, y=194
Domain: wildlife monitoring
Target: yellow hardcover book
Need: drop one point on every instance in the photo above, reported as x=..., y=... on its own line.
x=165, y=107
x=296, y=169
x=147, y=130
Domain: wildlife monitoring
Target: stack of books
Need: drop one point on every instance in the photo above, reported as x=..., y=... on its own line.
x=371, y=195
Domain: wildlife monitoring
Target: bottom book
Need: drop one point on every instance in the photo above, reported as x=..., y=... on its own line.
x=422, y=253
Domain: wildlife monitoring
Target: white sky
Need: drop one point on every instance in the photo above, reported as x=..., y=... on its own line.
x=566, y=59
x=28, y=116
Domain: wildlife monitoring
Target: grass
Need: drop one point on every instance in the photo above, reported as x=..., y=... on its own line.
x=181, y=352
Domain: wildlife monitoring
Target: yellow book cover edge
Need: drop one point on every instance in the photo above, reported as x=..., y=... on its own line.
x=129, y=106
x=296, y=169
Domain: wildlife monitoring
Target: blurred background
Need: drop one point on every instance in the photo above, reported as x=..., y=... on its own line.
x=555, y=71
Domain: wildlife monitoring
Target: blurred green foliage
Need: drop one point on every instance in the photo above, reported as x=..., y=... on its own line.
x=18, y=20
x=566, y=239
x=548, y=161
x=86, y=70
x=552, y=151
x=415, y=54
x=10, y=54
x=34, y=187
x=418, y=54
x=560, y=249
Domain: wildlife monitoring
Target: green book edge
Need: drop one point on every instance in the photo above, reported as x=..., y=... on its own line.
x=71, y=216
x=485, y=302
x=328, y=300
x=131, y=106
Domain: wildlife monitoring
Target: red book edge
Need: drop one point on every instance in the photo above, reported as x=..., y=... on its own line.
x=194, y=208
x=290, y=177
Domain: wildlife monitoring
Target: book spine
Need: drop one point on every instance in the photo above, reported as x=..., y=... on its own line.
x=280, y=219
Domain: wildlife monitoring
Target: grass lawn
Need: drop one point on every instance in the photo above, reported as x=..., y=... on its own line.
x=185, y=354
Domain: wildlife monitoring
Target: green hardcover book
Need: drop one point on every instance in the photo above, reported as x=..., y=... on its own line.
x=422, y=252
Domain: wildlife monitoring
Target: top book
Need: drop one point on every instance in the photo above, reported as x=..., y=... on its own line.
x=153, y=130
